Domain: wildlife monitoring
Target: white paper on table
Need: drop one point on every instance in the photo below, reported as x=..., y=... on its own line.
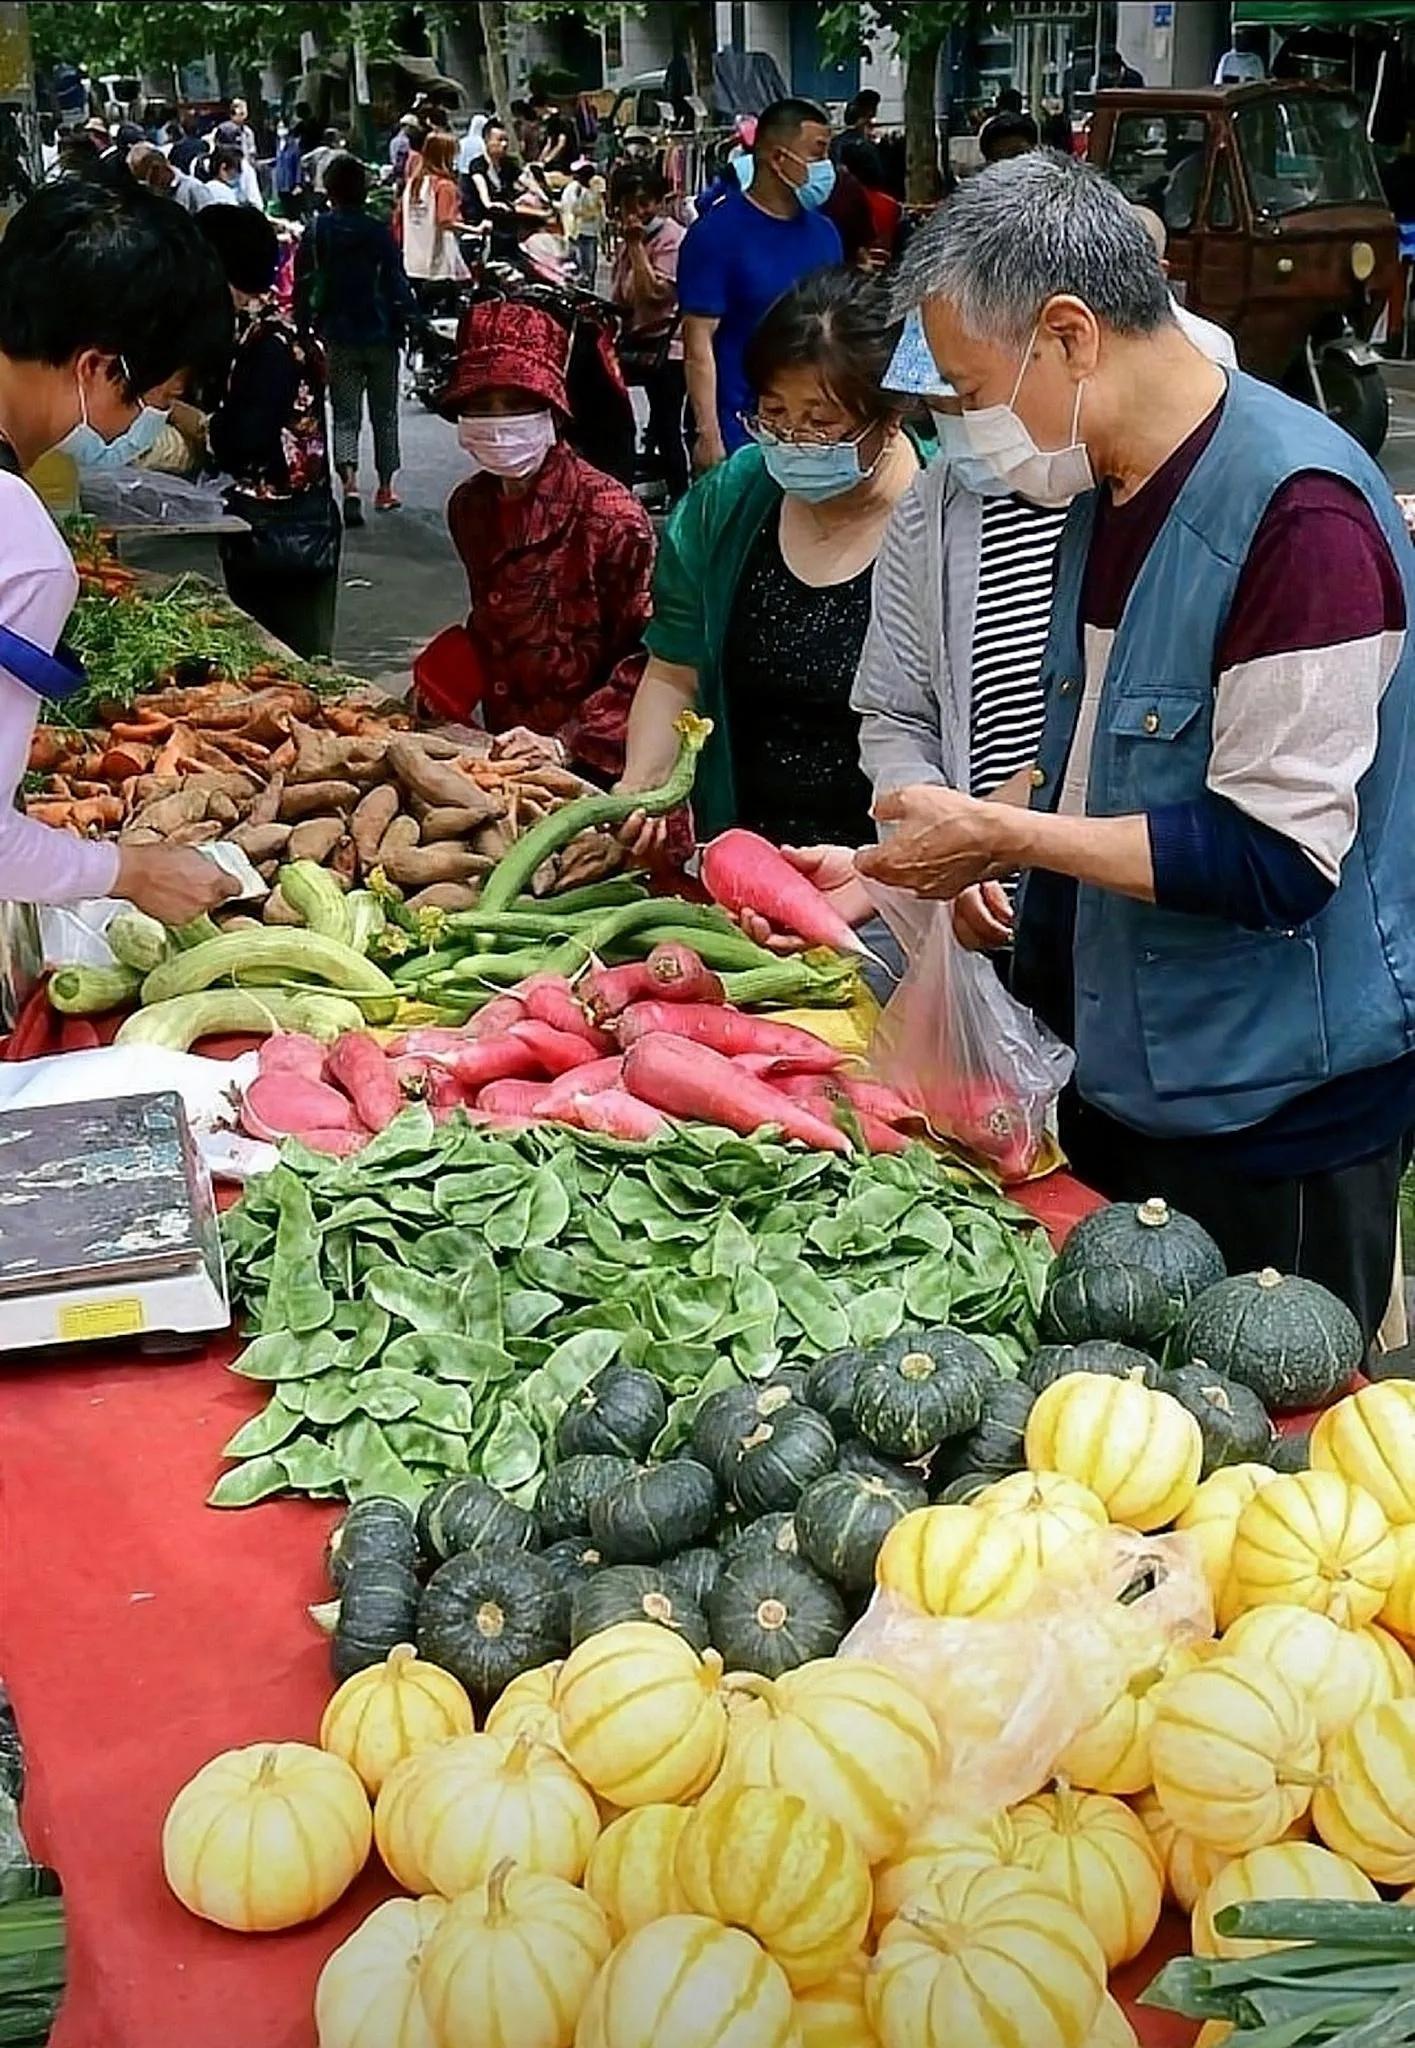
x=105, y=1073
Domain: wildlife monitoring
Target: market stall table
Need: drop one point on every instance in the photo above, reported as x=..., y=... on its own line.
x=143, y=1632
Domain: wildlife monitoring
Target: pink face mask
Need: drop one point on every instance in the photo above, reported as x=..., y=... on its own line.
x=513, y=445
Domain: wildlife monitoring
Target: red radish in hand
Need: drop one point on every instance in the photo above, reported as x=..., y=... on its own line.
x=555, y=1052
x=742, y=871
x=277, y=1106
x=512, y=1098
x=616, y=1115
x=730, y=1032
x=358, y=1066
x=496, y=1016
x=548, y=999
x=699, y=1085
x=290, y=1052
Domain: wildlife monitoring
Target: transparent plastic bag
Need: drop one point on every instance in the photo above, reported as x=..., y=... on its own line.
x=1009, y=1697
x=982, y=1070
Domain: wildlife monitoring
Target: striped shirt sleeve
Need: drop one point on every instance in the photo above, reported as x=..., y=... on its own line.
x=895, y=696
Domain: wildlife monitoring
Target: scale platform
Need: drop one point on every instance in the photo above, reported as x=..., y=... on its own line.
x=108, y=1226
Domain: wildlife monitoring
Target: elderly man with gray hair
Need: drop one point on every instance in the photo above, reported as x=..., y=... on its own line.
x=1219, y=904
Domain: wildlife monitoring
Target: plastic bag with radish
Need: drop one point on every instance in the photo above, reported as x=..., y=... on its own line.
x=956, y=1045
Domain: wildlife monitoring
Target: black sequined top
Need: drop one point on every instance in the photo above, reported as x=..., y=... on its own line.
x=788, y=667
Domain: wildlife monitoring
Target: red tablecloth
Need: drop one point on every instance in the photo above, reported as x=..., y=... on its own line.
x=143, y=1632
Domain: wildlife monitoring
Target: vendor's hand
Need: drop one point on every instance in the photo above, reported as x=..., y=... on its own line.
x=983, y=918
x=832, y=870
x=174, y=884
x=943, y=844
x=709, y=451
x=533, y=749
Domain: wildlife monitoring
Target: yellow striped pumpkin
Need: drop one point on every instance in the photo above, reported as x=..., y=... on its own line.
x=846, y=1735
x=1397, y=1657
x=1235, y=1754
x=513, y=1961
x=1112, y=2029
x=1398, y=1609
x=1189, y=1867
x=832, y=2015
x=1283, y=1870
x=940, y=1845
x=527, y=1707
x=957, y=1561
x=369, y=1993
x=1339, y=1671
x=1312, y=1539
x=1113, y=1753
x=1058, y=1517
x=393, y=1710
x=990, y=1958
x=1097, y=1855
x=1366, y=1810
x=1369, y=1439
x=641, y=1715
x=1211, y=1522
x=763, y=1860
x=447, y=1817
x=630, y=1873
x=687, y=1982
x=1137, y=1450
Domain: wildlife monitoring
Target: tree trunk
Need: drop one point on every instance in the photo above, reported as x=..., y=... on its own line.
x=493, y=23
x=699, y=27
x=924, y=180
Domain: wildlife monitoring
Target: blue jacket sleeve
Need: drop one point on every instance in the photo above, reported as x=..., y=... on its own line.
x=1212, y=860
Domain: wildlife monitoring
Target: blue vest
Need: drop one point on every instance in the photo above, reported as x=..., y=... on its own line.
x=1188, y=1026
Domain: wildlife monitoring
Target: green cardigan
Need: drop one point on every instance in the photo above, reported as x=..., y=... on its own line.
x=701, y=558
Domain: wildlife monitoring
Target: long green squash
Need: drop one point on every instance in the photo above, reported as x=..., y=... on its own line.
x=512, y=873
x=295, y=955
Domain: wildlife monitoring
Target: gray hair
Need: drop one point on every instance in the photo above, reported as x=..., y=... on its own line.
x=1021, y=231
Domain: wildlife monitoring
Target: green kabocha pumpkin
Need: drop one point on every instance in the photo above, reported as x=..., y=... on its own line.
x=1105, y=1299
x=1290, y=1340
x=488, y=1616
x=855, y=1455
x=694, y=1572
x=635, y=1592
x=1290, y=1453
x=779, y=1458
x=842, y=1519
x=1177, y=1250
x=770, y=1614
x=830, y=1388
x=563, y=1503
x=996, y=1441
x=467, y=1514
x=373, y=1529
x=733, y=1413
x=919, y=1389
x=964, y=1487
x=767, y=1536
x=574, y=1560
x=1235, y=1425
x=1055, y=1362
x=378, y=1606
x=658, y=1510
x=619, y=1414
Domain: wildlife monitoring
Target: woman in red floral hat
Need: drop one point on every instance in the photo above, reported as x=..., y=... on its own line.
x=559, y=556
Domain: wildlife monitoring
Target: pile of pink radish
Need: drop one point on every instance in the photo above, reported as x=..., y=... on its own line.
x=620, y=1052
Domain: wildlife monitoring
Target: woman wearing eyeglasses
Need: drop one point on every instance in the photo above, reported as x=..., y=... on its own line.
x=762, y=591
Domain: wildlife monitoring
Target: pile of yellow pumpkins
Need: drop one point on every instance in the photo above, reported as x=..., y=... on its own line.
x=639, y=1850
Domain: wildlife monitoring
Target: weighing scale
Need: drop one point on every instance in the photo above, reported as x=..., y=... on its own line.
x=108, y=1226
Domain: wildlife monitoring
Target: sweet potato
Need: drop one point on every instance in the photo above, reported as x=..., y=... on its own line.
x=447, y=821
x=222, y=809
x=343, y=863
x=266, y=808
x=438, y=783
x=170, y=813
x=87, y=815
x=492, y=841
x=326, y=757
x=261, y=842
x=200, y=834
x=400, y=838
x=277, y=911
x=423, y=867
x=372, y=818
x=446, y=896
x=316, y=799
x=315, y=839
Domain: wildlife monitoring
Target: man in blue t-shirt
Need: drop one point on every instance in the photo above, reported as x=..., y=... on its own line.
x=742, y=254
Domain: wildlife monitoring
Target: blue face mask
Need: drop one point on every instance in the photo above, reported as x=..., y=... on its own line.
x=814, y=472
x=818, y=183
x=135, y=441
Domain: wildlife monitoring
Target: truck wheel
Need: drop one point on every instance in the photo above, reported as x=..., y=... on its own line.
x=1357, y=400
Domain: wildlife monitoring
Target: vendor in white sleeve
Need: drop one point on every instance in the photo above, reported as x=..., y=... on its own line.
x=108, y=301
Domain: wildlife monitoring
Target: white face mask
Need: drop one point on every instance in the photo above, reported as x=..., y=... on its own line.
x=513, y=445
x=993, y=452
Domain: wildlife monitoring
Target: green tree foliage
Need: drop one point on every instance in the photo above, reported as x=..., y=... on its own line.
x=920, y=28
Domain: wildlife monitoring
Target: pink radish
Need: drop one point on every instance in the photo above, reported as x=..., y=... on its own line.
x=873, y=1098
x=338, y=1144
x=430, y=1043
x=496, y=1016
x=555, y=1052
x=358, y=1066
x=287, y=1105
x=512, y=1098
x=428, y=1081
x=548, y=1000
x=614, y=1114
x=744, y=872
x=490, y=1059
x=696, y=1083
x=768, y=1066
x=594, y=1079
x=822, y=1096
x=290, y=1052
x=730, y=1032
x=679, y=976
